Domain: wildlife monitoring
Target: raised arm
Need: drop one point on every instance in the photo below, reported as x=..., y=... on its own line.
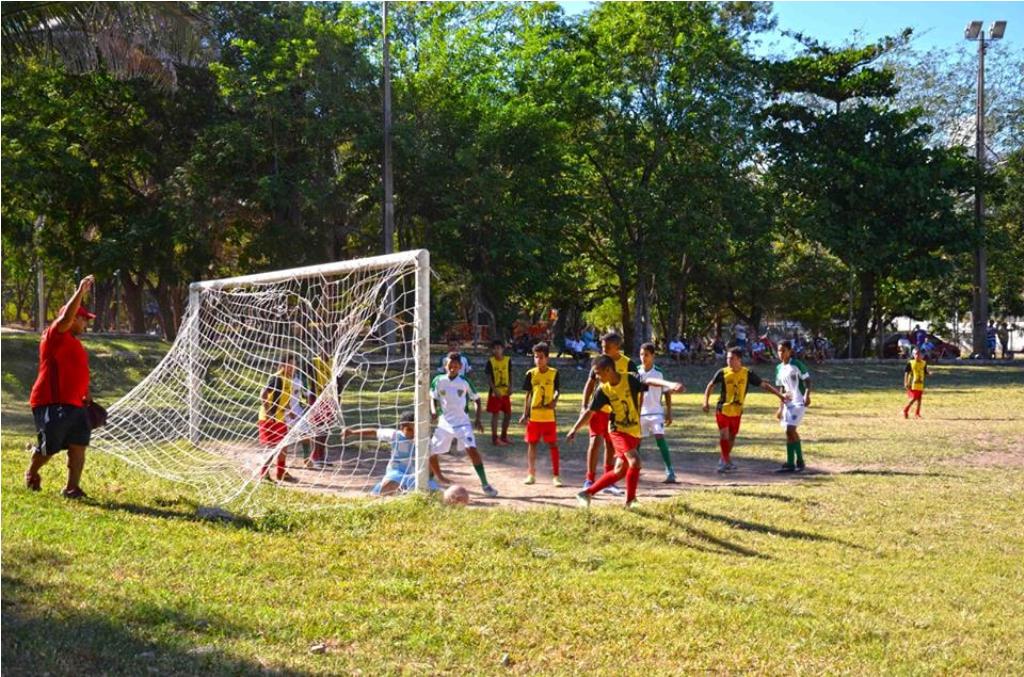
x=67, y=315
x=768, y=387
x=361, y=433
x=669, y=386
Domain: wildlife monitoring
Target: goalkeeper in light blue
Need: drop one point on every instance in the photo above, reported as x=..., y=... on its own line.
x=400, y=474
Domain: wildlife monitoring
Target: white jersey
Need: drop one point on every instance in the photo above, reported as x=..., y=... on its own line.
x=788, y=377
x=453, y=397
x=652, y=398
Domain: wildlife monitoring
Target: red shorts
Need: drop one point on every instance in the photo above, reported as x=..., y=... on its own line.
x=730, y=422
x=541, y=430
x=915, y=394
x=271, y=431
x=599, y=424
x=621, y=443
x=497, y=404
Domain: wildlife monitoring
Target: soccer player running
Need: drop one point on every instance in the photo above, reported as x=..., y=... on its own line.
x=541, y=386
x=913, y=382
x=792, y=377
x=621, y=393
x=499, y=398
x=452, y=393
x=611, y=346
x=653, y=417
x=733, y=379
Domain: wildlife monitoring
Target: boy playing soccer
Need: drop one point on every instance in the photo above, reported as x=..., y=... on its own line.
x=276, y=415
x=792, y=378
x=400, y=474
x=611, y=346
x=621, y=393
x=734, y=380
x=913, y=382
x=653, y=417
x=499, y=397
x=453, y=393
x=541, y=386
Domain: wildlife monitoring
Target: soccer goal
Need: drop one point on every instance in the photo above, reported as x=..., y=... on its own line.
x=267, y=373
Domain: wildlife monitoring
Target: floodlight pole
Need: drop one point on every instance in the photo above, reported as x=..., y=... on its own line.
x=979, y=302
x=389, y=198
x=979, y=312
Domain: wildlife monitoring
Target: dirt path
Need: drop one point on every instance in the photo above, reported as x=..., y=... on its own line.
x=506, y=469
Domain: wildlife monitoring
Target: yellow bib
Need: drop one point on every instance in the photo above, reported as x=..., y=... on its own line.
x=542, y=392
x=500, y=375
x=279, y=401
x=625, y=416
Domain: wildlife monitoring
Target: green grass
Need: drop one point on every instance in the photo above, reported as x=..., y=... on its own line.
x=904, y=558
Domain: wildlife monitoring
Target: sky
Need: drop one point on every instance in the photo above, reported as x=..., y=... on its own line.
x=935, y=24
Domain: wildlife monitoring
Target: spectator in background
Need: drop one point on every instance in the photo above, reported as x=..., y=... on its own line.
x=60, y=395
x=718, y=348
x=919, y=335
x=990, y=340
x=1004, y=339
x=453, y=347
x=758, y=352
x=678, y=349
x=739, y=332
x=905, y=346
x=928, y=348
x=589, y=341
x=798, y=344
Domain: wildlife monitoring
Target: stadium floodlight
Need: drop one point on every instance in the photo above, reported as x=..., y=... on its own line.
x=973, y=30
x=996, y=30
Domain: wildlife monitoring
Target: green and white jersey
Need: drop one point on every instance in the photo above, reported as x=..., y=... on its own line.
x=790, y=378
x=652, y=398
x=453, y=397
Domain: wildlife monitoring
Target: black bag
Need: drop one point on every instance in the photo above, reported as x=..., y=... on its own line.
x=96, y=414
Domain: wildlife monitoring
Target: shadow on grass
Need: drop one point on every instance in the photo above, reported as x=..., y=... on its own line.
x=756, y=527
x=39, y=640
x=763, y=494
x=687, y=536
x=188, y=514
x=893, y=473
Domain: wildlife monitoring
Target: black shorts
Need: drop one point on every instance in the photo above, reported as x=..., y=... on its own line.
x=60, y=425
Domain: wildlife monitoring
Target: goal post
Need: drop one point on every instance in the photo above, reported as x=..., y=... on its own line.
x=269, y=369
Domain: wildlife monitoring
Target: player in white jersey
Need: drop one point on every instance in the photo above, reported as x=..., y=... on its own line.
x=653, y=416
x=452, y=394
x=794, y=380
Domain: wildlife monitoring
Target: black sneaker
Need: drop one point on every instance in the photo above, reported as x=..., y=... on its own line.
x=73, y=494
x=800, y=466
x=787, y=467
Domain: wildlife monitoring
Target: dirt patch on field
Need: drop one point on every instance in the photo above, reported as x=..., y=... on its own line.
x=506, y=470
x=994, y=451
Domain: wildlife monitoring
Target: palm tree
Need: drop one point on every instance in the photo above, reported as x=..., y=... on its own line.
x=128, y=39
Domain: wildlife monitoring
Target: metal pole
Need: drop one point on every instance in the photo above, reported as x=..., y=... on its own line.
x=980, y=310
x=389, y=198
x=40, y=280
x=421, y=341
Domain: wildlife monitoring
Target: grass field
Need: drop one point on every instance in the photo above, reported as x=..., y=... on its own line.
x=902, y=555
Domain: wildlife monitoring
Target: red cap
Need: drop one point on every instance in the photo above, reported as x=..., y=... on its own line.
x=82, y=312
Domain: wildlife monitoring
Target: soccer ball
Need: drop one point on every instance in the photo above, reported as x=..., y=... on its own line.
x=456, y=494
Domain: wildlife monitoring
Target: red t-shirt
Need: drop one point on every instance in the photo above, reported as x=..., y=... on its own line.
x=63, y=370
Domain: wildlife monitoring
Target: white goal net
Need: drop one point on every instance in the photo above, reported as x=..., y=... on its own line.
x=281, y=379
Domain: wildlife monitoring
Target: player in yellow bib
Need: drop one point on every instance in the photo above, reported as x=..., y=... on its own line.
x=499, y=394
x=913, y=381
x=733, y=381
x=611, y=346
x=621, y=393
x=275, y=417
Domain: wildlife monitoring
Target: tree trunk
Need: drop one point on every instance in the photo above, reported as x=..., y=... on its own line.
x=641, y=312
x=165, y=307
x=133, y=304
x=862, y=316
x=627, y=320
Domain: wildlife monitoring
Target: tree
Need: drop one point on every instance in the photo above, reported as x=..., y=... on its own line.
x=860, y=178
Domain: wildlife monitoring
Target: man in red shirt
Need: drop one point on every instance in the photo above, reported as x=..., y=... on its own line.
x=61, y=393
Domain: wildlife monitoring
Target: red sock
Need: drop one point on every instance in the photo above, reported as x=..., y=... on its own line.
x=591, y=476
x=726, y=448
x=554, y=459
x=606, y=480
x=608, y=467
x=280, y=466
x=632, y=480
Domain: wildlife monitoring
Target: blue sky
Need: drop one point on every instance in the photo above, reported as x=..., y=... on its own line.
x=935, y=24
